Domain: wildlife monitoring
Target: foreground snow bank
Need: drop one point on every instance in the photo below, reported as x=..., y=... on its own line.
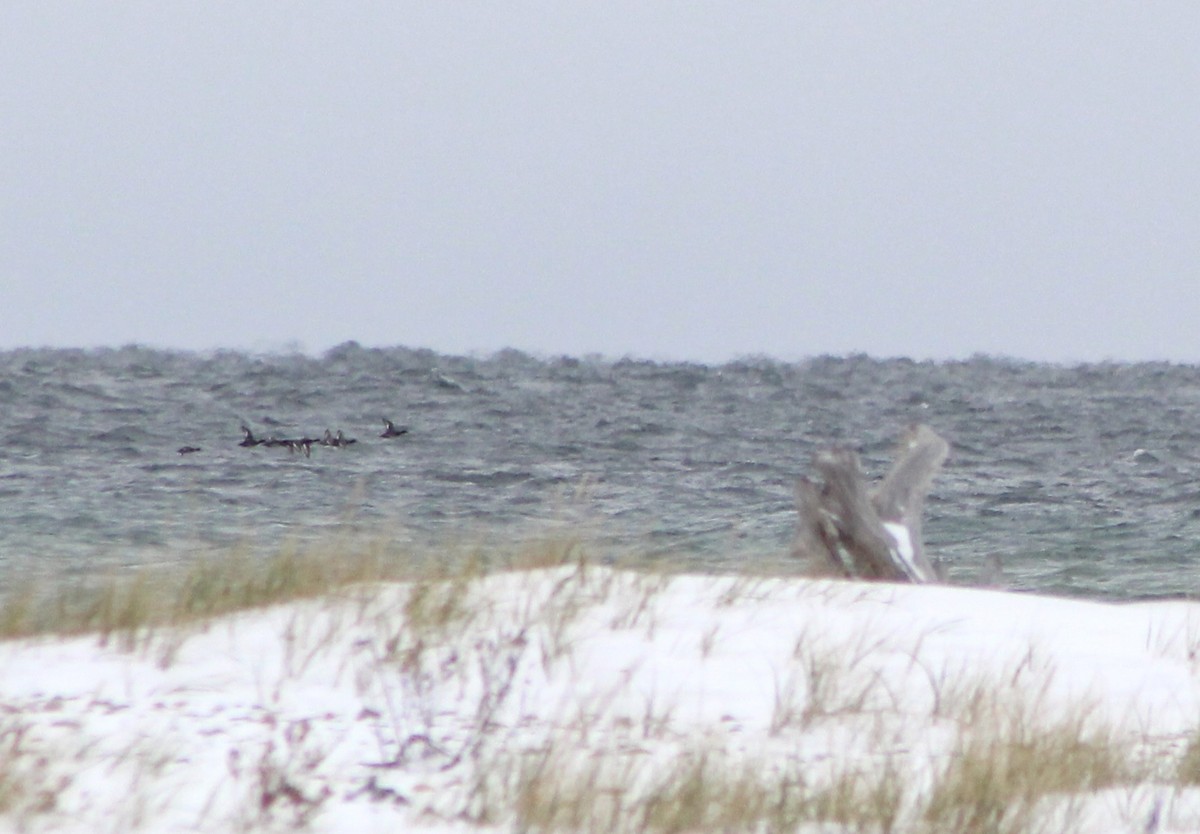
x=592, y=699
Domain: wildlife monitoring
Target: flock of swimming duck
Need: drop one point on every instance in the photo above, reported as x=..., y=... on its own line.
x=303, y=444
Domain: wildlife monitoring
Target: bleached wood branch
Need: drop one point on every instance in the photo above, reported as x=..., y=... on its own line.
x=870, y=534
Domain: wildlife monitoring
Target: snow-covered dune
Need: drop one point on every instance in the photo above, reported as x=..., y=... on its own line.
x=594, y=699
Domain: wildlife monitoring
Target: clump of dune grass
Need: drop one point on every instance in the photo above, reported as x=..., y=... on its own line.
x=1188, y=769
x=466, y=630
x=1012, y=758
x=1004, y=778
x=27, y=787
x=1009, y=755
x=127, y=604
x=700, y=788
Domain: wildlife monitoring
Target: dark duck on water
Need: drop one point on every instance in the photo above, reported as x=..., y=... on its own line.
x=340, y=441
x=391, y=430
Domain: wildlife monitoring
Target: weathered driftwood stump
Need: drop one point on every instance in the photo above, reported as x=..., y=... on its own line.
x=874, y=534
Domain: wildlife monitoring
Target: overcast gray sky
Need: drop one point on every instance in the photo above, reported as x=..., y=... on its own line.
x=673, y=180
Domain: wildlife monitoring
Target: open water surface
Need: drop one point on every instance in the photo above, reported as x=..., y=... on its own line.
x=1082, y=480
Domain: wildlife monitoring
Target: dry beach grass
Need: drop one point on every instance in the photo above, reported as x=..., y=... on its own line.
x=353, y=687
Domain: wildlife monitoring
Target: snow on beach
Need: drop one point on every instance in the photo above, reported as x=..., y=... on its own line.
x=585, y=698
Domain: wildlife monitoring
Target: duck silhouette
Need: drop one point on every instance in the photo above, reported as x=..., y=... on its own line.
x=303, y=444
x=391, y=430
x=340, y=441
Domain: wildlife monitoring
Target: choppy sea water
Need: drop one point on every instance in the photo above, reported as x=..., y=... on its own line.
x=1082, y=480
